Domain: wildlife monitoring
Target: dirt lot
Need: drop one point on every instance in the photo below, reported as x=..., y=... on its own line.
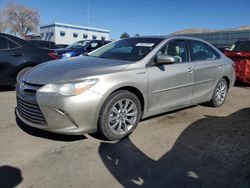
x=194, y=147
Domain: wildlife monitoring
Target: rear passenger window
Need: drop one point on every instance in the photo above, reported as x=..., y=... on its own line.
x=3, y=43
x=44, y=44
x=177, y=48
x=201, y=51
x=13, y=45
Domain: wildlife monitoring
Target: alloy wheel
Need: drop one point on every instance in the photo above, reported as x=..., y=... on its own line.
x=122, y=116
x=221, y=92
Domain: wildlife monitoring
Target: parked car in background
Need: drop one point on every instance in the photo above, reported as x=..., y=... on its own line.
x=240, y=54
x=222, y=48
x=43, y=44
x=80, y=47
x=58, y=46
x=17, y=55
x=112, y=88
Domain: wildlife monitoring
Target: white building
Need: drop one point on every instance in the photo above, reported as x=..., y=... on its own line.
x=67, y=34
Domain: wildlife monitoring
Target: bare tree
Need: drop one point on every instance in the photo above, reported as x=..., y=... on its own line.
x=21, y=19
x=3, y=22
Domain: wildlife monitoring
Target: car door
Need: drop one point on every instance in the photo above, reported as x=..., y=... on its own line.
x=207, y=67
x=10, y=55
x=170, y=85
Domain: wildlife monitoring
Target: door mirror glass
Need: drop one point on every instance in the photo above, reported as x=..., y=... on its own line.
x=165, y=59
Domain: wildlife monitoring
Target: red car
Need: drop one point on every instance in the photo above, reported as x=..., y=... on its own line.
x=240, y=54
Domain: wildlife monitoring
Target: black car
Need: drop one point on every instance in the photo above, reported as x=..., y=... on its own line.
x=61, y=46
x=242, y=45
x=222, y=48
x=17, y=55
x=43, y=44
x=80, y=47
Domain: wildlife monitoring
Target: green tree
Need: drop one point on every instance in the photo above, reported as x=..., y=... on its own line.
x=137, y=35
x=124, y=35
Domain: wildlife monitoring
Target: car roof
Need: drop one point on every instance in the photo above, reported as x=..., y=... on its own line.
x=171, y=37
x=167, y=37
x=96, y=40
x=39, y=40
x=16, y=39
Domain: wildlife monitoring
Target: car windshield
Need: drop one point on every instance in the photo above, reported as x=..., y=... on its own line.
x=131, y=49
x=79, y=44
x=241, y=46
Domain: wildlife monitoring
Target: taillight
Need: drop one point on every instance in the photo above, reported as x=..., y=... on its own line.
x=53, y=55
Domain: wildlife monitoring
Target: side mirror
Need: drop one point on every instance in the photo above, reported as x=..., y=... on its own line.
x=165, y=59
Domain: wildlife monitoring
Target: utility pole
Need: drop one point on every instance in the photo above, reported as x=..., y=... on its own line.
x=88, y=13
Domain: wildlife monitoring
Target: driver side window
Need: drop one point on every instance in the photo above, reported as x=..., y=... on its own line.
x=177, y=49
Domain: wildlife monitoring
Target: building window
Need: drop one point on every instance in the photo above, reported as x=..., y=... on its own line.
x=50, y=36
x=85, y=36
x=62, y=33
x=103, y=38
x=75, y=35
x=41, y=35
x=47, y=36
x=94, y=37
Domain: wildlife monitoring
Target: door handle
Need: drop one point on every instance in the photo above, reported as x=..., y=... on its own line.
x=17, y=54
x=191, y=70
x=219, y=65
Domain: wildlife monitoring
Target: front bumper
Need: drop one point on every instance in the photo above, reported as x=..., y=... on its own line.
x=72, y=115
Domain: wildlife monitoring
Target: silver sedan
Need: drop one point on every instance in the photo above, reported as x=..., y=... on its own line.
x=111, y=89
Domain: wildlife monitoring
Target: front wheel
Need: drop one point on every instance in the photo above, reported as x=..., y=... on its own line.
x=120, y=115
x=220, y=93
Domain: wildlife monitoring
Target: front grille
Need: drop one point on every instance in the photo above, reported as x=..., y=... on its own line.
x=30, y=112
x=30, y=88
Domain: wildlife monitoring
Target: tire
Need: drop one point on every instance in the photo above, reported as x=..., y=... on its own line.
x=119, y=115
x=220, y=93
x=20, y=73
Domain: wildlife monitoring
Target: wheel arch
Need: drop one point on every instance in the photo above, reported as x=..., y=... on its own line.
x=227, y=80
x=136, y=92
x=127, y=87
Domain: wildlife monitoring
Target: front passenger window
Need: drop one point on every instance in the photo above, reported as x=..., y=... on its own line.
x=178, y=49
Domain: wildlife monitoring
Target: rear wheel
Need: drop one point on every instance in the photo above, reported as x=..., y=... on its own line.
x=120, y=115
x=220, y=93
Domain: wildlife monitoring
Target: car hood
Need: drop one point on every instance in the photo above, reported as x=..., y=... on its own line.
x=72, y=68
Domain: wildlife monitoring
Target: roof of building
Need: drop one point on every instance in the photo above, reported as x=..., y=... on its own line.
x=56, y=24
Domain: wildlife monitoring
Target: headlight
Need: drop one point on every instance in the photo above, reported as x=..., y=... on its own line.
x=66, y=55
x=68, y=89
